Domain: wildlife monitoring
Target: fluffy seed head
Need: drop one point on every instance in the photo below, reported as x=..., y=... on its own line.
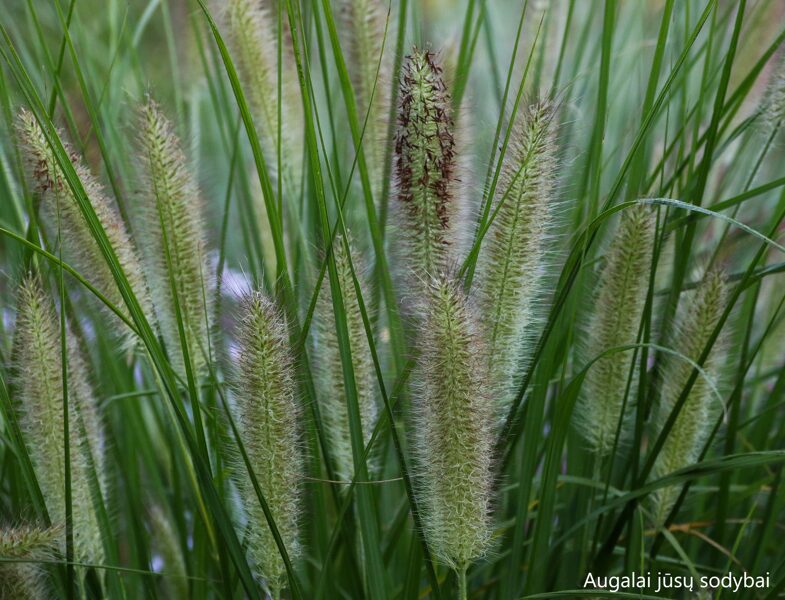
x=512, y=260
x=60, y=209
x=267, y=417
x=40, y=394
x=454, y=428
x=618, y=307
x=252, y=37
x=327, y=361
x=365, y=22
x=172, y=228
x=773, y=105
x=696, y=322
x=26, y=580
x=426, y=170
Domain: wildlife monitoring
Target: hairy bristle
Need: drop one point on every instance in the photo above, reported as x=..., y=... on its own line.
x=453, y=428
x=772, y=107
x=26, y=580
x=252, y=37
x=695, y=324
x=170, y=215
x=426, y=169
x=40, y=393
x=327, y=360
x=365, y=24
x=63, y=216
x=615, y=321
x=268, y=420
x=513, y=255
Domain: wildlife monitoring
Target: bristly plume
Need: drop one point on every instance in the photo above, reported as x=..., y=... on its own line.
x=268, y=421
x=61, y=212
x=170, y=215
x=513, y=255
x=453, y=422
x=695, y=324
x=38, y=377
x=26, y=580
x=772, y=107
x=426, y=168
x=327, y=360
x=365, y=22
x=252, y=37
x=618, y=308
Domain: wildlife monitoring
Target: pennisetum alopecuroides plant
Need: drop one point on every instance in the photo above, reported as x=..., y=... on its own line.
x=429, y=207
x=63, y=216
x=171, y=227
x=268, y=423
x=365, y=22
x=695, y=324
x=252, y=36
x=513, y=255
x=618, y=307
x=453, y=422
x=39, y=378
x=26, y=580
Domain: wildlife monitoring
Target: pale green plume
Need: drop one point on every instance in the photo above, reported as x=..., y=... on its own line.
x=40, y=396
x=429, y=219
x=772, y=107
x=170, y=215
x=252, y=36
x=268, y=418
x=453, y=428
x=26, y=580
x=695, y=324
x=327, y=361
x=365, y=22
x=513, y=256
x=61, y=211
x=618, y=307
x=168, y=547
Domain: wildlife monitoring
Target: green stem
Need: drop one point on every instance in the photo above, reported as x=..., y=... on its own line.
x=461, y=573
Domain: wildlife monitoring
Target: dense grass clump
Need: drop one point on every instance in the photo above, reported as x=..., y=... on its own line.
x=397, y=300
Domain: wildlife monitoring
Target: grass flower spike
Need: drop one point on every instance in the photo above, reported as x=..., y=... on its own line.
x=454, y=423
x=268, y=419
x=25, y=580
x=512, y=260
x=426, y=170
x=327, y=361
x=39, y=379
x=365, y=22
x=618, y=307
x=172, y=228
x=252, y=36
x=61, y=210
x=773, y=104
x=695, y=324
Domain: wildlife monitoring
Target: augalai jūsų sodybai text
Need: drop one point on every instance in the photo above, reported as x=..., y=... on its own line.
x=663, y=582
